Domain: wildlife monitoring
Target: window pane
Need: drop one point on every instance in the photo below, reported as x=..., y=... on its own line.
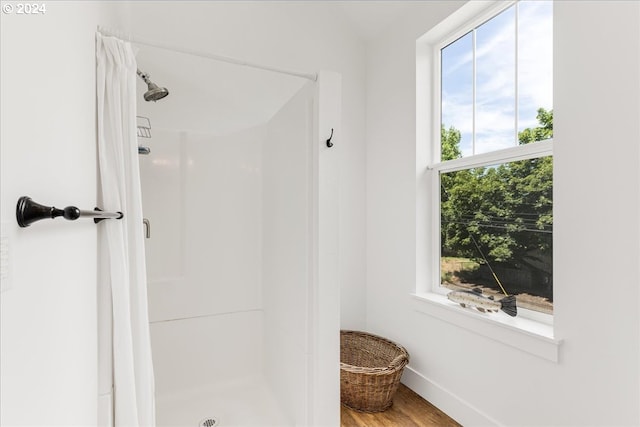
x=500, y=217
x=457, y=96
x=495, y=83
x=535, y=60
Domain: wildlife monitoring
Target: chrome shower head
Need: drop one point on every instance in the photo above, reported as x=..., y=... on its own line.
x=153, y=92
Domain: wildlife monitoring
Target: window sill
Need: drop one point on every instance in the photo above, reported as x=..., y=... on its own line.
x=524, y=334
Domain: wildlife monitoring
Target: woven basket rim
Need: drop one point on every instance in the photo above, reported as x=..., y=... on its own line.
x=372, y=371
x=378, y=337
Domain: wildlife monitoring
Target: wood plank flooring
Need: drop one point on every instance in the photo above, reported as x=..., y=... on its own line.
x=408, y=410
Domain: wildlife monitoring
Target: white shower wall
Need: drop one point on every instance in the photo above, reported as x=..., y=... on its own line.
x=202, y=196
x=287, y=213
x=229, y=259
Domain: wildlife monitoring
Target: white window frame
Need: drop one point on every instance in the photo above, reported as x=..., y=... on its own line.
x=536, y=328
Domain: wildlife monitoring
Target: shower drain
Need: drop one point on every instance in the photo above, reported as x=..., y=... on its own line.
x=208, y=422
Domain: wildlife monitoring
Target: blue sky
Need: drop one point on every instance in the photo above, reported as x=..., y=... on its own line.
x=496, y=77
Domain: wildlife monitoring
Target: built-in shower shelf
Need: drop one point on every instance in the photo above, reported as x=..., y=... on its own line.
x=144, y=127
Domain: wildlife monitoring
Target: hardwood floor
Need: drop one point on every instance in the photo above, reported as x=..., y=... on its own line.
x=408, y=410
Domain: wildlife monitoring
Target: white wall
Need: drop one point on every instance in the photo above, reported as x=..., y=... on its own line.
x=48, y=356
x=303, y=36
x=597, y=135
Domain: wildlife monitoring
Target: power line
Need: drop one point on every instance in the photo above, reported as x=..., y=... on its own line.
x=478, y=224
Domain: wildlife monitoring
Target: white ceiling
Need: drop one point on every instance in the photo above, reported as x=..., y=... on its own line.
x=369, y=18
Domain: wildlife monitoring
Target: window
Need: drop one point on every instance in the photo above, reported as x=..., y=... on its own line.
x=492, y=174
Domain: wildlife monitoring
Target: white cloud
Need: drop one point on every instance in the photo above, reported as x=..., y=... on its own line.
x=535, y=56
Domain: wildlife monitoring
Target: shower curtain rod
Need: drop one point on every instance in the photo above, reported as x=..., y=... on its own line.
x=138, y=40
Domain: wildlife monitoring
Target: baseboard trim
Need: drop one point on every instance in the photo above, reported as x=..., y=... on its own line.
x=448, y=402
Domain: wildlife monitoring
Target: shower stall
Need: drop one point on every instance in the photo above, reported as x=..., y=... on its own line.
x=240, y=192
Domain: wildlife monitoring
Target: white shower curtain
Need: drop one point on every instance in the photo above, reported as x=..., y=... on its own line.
x=122, y=263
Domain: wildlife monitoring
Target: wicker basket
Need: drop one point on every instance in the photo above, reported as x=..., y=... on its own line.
x=370, y=370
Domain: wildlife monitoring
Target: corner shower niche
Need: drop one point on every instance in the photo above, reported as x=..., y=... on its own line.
x=234, y=255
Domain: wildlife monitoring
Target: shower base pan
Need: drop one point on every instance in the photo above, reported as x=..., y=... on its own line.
x=244, y=402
